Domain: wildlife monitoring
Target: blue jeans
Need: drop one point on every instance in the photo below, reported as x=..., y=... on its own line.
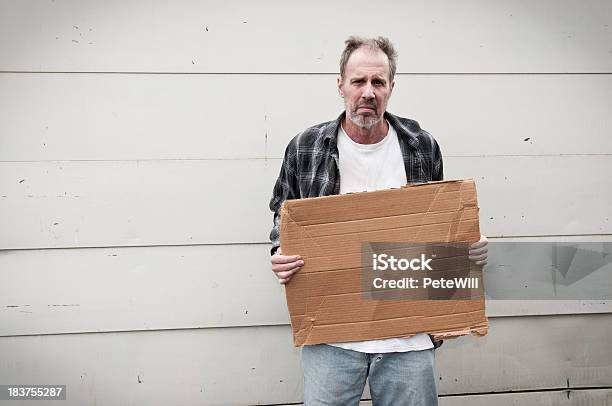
x=335, y=376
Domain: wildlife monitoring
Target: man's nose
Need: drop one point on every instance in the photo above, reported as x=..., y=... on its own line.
x=368, y=92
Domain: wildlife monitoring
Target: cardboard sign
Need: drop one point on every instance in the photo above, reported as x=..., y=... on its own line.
x=327, y=299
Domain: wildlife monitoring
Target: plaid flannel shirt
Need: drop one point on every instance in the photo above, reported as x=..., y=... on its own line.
x=310, y=165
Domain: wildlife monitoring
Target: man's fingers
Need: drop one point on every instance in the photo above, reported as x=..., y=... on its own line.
x=283, y=281
x=478, y=251
x=480, y=243
x=286, y=267
x=284, y=259
x=478, y=257
x=284, y=274
x=286, y=278
x=483, y=263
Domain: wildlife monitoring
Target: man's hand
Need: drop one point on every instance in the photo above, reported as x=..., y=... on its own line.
x=284, y=266
x=479, y=252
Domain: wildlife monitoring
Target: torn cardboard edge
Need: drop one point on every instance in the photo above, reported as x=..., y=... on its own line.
x=444, y=211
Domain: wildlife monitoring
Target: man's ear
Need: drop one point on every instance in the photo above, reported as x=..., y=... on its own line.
x=339, y=85
x=392, y=84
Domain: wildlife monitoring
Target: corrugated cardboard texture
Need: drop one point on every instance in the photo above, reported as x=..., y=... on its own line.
x=324, y=298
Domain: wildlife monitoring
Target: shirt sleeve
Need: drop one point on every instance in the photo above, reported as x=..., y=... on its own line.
x=438, y=167
x=286, y=187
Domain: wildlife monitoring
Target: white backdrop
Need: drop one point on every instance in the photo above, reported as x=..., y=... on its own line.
x=139, y=142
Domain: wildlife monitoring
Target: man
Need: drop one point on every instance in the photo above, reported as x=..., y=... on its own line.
x=365, y=148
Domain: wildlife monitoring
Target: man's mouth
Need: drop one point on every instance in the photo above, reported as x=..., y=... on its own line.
x=372, y=108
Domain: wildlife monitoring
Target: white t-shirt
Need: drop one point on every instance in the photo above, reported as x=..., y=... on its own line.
x=367, y=167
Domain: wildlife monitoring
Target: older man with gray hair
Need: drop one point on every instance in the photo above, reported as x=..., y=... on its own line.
x=366, y=148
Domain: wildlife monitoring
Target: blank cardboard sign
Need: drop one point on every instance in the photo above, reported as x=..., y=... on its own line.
x=326, y=298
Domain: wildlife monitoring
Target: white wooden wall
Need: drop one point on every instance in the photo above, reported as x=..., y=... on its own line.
x=139, y=142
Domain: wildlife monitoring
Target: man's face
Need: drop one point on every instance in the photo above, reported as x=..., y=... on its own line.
x=365, y=87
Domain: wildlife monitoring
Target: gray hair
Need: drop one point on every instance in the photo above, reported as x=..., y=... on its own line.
x=353, y=43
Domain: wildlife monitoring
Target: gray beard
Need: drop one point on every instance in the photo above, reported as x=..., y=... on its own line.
x=364, y=122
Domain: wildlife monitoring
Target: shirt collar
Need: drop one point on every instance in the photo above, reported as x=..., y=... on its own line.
x=408, y=131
